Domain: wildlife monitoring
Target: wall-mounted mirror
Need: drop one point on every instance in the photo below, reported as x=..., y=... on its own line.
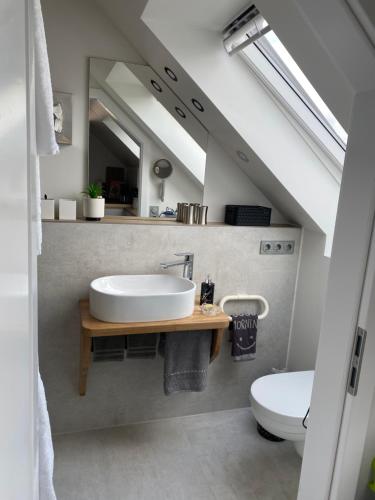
x=135, y=120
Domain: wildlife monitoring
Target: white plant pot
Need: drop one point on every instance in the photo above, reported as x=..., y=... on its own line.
x=93, y=208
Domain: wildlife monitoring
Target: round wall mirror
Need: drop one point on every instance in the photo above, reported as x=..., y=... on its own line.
x=162, y=169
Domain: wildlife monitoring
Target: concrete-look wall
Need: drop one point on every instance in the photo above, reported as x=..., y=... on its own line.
x=309, y=302
x=76, y=30
x=132, y=390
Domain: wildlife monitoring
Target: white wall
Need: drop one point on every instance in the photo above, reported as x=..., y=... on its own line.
x=19, y=359
x=308, y=302
x=273, y=142
x=178, y=188
x=75, y=31
x=226, y=184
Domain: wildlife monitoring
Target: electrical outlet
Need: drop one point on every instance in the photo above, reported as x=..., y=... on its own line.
x=288, y=247
x=265, y=247
x=154, y=211
x=271, y=247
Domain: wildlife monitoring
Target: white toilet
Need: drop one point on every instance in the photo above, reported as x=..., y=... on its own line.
x=280, y=402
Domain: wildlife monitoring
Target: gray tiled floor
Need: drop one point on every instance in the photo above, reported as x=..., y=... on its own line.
x=215, y=456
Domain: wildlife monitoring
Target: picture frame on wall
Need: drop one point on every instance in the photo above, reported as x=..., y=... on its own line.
x=62, y=116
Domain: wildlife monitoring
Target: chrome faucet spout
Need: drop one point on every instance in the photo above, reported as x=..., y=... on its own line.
x=187, y=263
x=165, y=265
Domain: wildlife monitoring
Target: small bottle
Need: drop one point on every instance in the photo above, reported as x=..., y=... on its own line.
x=207, y=291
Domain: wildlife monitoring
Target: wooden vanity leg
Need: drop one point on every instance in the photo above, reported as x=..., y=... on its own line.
x=84, y=363
x=217, y=339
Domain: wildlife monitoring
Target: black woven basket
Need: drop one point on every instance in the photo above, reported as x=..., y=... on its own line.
x=247, y=215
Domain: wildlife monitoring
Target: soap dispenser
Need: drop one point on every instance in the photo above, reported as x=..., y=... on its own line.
x=207, y=291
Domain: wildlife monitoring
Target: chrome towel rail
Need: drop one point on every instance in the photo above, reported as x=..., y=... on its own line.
x=241, y=296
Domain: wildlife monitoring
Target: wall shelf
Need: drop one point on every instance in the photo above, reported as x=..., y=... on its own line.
x=91, y=327
x=161, y=221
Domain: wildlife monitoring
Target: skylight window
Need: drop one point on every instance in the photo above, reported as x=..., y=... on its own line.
x=267, y=56
x=274, y=50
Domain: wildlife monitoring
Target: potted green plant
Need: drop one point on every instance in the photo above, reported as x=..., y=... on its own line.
x=93, y=202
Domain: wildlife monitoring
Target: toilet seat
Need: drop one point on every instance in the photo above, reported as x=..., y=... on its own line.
x=280, y=402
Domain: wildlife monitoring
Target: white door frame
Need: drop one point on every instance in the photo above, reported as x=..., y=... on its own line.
x=357, y=409
x=345, y=283
x=18, y=366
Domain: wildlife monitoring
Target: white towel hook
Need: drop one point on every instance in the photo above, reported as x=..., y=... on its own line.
x=259, y=298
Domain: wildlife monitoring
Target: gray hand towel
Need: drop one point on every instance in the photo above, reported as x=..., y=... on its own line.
x=187, y=356
x=244, y=336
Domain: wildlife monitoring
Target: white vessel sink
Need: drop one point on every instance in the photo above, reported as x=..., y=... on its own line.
x=131, y=298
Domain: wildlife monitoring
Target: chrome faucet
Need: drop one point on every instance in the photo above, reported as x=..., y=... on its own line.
x=188, y=263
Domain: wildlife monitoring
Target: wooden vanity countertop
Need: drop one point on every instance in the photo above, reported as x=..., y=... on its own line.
x=198, y=321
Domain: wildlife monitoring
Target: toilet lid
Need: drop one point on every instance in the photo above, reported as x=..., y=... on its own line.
x=287, y=394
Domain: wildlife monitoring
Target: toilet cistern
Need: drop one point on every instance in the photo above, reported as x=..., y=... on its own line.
x=188, y=264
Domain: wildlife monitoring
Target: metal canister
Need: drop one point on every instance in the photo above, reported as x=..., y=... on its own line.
x=196, y=208
x=190, y=214
x=184, y=212
x=202, y=219
x=179, y=217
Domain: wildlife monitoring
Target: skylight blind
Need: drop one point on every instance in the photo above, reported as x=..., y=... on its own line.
x=244, y=30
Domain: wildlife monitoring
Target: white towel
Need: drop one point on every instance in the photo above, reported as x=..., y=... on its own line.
x=46, y=457
x=45, y=145
x=45, y=131
x=36, y=209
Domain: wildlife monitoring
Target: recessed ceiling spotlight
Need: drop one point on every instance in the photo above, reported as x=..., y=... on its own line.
x=156, y=86
x=171, y=74
x=180, y=112
x=198, y=105
x=242, y=156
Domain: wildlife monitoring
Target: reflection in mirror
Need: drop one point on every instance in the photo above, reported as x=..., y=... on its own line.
x=141, y=154
x=162, y=169
x=113, y=160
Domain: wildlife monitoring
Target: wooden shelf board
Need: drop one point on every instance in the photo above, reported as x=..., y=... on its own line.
x=128, y=219
x=198, y=321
